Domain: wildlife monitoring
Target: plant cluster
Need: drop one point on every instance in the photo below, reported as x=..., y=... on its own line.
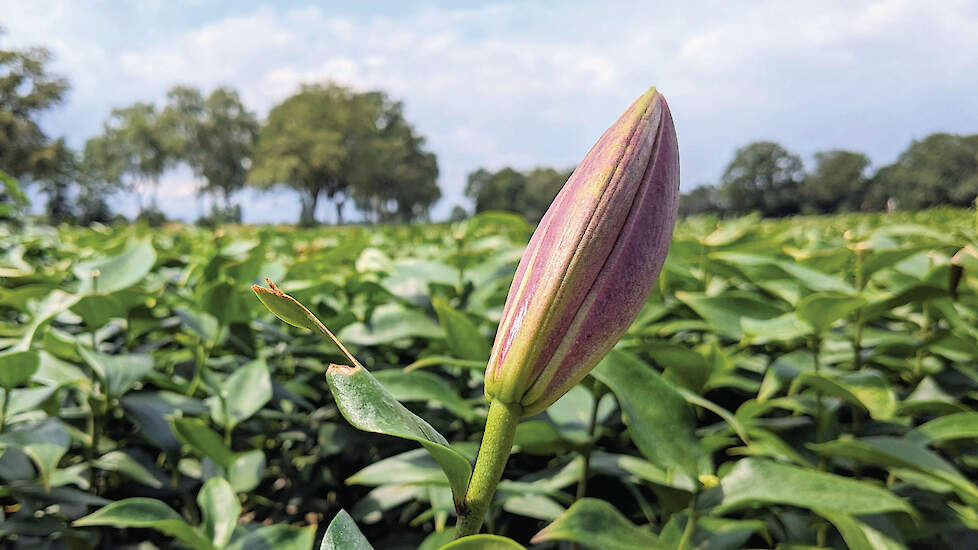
x=792, y=382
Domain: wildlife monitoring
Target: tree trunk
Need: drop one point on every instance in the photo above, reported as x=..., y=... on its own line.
x=339, y=212
x=307, y=217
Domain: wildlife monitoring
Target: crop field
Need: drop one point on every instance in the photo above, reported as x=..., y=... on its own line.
x=798, y=383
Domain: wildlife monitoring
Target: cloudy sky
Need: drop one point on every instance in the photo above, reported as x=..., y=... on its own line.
x=526, y=84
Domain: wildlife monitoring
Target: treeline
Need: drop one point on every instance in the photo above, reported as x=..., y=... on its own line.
x=327, y=142
x=941, y=169
x=764, y=177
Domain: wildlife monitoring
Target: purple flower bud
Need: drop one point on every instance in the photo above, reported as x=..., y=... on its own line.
x=591, y=262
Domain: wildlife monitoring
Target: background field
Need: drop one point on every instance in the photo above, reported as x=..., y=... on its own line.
x=158, y=369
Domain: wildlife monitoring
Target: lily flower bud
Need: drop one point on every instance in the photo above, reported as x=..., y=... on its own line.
x=591, y=263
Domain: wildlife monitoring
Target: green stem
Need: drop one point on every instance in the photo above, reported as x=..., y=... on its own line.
x=819, y=405
x=684, y=543
x=4, y=409
x=497, y=443
x=591, y=431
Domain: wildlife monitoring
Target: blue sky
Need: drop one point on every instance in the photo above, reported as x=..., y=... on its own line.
x=527, y=84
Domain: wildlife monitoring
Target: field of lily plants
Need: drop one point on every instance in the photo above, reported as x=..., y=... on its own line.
x=802, y=383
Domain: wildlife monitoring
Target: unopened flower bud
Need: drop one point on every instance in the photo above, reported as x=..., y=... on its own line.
x=591, y=263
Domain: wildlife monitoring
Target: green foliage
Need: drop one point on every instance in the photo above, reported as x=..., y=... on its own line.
x=215, y=136
x=27, y=89
x=332, y=141
x=526, y=193
x=789, y=382
x=941, y=169
x=762, y=177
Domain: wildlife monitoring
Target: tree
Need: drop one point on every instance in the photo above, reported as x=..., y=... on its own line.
x=396, y=179
x=838, y=182
x=762, y=176
x=701, y=200
x=215, y=137
x=132, y=152
x=527, y=193
x=939, y=169
x=542, y=186
x=313, y=142
x=27, y=89
x=501, y=190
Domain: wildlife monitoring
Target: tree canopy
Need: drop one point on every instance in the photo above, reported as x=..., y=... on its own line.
x=528, y=193
x=331, y=141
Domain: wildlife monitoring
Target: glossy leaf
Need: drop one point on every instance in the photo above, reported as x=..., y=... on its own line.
x=596, y=524
x=754, y=482
x=343, y=534
x=18, y=367
x=44, y=442
x=276, y=537
x=963, y=425
x=862, y=536
x=244, y=393
x=461, y=335
x=366, y=404
x=119, y=373
x=483, y=542
x=220, y=508
x=108, y=275
x=147, y=513
x=660, y=422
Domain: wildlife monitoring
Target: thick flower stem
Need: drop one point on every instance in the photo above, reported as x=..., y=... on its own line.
x=497, y=442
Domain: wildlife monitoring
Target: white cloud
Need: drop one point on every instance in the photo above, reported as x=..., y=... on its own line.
x=536, y=84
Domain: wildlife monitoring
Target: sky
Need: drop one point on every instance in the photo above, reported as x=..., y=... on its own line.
x=526, y=84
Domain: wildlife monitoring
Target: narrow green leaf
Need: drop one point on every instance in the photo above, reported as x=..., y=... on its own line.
x=963, y=425
x=203, y=440
x=45, y=442
x=462, y=336
x=366, y=404
x=343, y=534
x=246, y=470
x=147, y=513
x=894, y=452
x=243, y=394
x=862, y=536
x=660, y=421
x=18, y=367
x=220, y=509
x=390, y=323
x=483, y=542
x=291, y=311
x=118, y=372
x=276, y=537
x=754, y=482
x=822, y=309
x=867, y=389
x=599, y=526
x=108, y=275
x=126, y=464
x=424, y=386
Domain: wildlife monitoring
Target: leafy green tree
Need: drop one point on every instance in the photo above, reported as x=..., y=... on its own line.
x=133, y=152
x=939, y=169
x=542, y=186
x=501, y=190
x=701, y=200
x=838, y=182
x=315, y=142
x=215, y=136
x=396, y=180
x=27, y=89
x=12, y=199
x=527, y=193
x=762, y=176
